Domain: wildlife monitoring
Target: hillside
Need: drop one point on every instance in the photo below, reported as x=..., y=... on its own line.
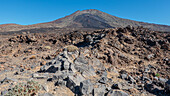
x=86, y=19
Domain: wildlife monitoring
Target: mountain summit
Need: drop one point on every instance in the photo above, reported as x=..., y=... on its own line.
x=90, y=18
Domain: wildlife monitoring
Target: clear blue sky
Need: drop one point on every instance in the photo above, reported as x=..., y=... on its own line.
x=37, y=11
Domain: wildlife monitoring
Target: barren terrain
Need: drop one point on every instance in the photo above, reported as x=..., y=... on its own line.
x=105, y=62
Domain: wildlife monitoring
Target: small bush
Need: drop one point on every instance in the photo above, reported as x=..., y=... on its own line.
x=157, y=74
x=28, y=89
x=71, y=48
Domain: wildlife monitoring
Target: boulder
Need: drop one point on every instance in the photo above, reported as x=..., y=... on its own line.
x=86, y=87
x=100, y=90
x=73, y=82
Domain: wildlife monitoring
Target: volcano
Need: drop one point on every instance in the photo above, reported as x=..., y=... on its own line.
x=91, y=18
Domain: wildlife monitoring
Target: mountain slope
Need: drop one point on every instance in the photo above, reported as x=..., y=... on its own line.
x=87, y=19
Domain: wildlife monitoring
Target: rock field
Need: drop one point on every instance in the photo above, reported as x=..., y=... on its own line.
x=108, y=62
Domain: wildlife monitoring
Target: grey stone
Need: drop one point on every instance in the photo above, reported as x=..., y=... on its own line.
x=104, y=74
x=72, y=55
x=132, y=80
x=77, y=78
x=100, y=90
x=103, y=80
x=99, y=94
x=86, y=87
x=89, y=71
x=102, y=35
x=53, y=61
x=117, y=93
x=163, y=80
x=60, y=76
x=65, y=53
x=96, y=63
x=60, y=82
x=150, y=66
x=123, y=76
x=112, y=70
x=81, y=60
x=72, y=68
x=66, y=65
x=40, y=75
x=46, y=94
x=74, y=81
x=57, y=63
x=81, y=68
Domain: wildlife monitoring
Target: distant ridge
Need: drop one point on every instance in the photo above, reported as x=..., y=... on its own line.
x=90, y=18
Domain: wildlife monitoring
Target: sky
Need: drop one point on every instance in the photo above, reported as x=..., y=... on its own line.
x=26, y=12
